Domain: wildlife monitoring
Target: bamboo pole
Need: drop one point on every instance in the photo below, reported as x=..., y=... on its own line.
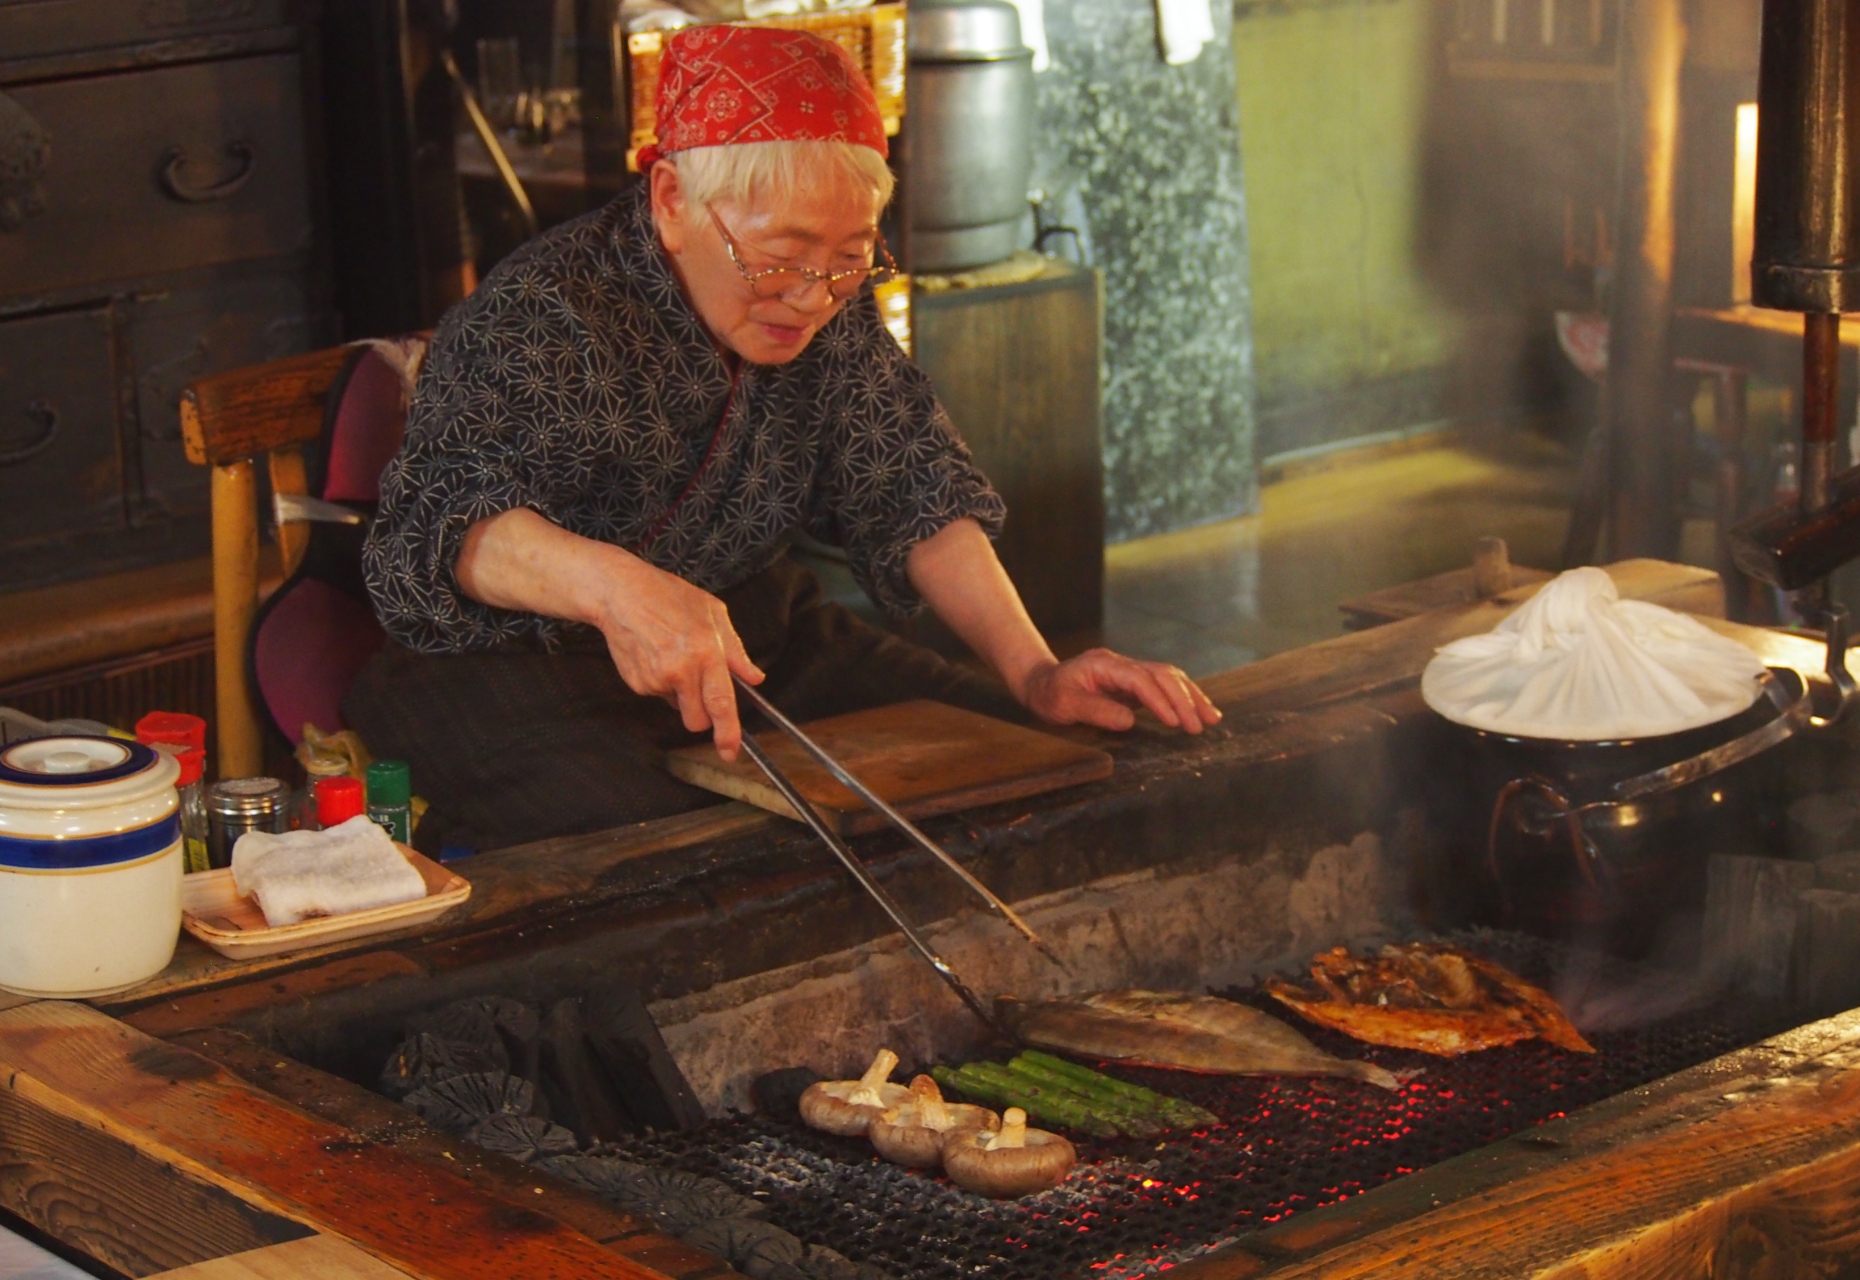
x=235, y=600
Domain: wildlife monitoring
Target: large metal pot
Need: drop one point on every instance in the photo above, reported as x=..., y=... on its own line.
x=968, y=133
x=1607, y=842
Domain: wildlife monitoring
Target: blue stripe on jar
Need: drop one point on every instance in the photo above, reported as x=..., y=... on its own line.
x=87, y=853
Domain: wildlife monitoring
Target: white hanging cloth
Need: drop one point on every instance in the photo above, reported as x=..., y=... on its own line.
x=1182, y=28
x=1578, y=663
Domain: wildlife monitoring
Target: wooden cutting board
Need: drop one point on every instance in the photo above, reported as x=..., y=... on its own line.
x=922, y=757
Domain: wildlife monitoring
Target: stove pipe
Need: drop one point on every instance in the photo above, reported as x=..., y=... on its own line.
x=1807, y=258
x=1807, y=255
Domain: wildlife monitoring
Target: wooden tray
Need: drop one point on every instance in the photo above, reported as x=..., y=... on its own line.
x=922, y=757
x=213, y=911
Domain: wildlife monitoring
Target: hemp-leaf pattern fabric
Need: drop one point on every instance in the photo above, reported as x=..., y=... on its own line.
x=578, y=382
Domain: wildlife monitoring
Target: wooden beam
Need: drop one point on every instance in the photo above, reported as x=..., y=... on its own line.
x=363, y=1111
x=1745, y=1165
x=312, y=1258
x=70, y=1067
x=508, y=885
x=124, y=1207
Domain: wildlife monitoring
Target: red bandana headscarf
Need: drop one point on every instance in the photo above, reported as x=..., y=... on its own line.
x=724, y=84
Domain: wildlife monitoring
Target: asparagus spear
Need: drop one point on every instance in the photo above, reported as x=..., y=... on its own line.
x=1134, y=1118
x=1047, y=1110
x=1137, y=1122
x=1183, y=1112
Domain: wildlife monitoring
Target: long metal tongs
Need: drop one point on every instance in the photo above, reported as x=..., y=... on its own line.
x=877, y=803
x=866, y=882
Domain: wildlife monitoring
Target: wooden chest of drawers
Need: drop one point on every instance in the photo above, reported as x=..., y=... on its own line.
x=161, y=157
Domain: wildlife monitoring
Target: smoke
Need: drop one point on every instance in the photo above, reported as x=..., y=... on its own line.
x=1601, y=992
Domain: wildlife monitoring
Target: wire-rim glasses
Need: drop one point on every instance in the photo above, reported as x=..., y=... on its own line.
x=784, y=282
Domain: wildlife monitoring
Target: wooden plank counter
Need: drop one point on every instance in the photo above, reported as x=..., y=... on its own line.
x=1283, y=710
x=162, y=1129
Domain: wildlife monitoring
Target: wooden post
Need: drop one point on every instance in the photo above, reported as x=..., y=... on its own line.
x=235, y=599
x=288, y=476
x=1646, y=465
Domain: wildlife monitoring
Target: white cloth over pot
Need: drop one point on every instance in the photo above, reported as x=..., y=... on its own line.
x=297, y=875
x=1578, y=663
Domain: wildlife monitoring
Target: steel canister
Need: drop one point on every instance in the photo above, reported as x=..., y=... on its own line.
x=238, y=805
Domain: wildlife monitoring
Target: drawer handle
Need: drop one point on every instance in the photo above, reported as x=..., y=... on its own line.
x=174, y=161
x=42, y=412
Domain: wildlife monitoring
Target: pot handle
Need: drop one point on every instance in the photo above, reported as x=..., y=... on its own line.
x=1588, y=858
x=1794, y=715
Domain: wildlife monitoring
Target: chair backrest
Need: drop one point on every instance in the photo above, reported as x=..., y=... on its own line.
x=292, y=662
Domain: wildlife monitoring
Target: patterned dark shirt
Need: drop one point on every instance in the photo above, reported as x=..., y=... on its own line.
x=577, y=381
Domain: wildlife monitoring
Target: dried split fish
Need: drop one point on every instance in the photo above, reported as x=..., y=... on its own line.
x=1174, y=1029
x=1427, y=996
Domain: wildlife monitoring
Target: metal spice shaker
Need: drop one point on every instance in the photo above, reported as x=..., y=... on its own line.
x=238, y=805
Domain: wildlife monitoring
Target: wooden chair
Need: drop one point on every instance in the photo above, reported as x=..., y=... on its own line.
x=231, y=422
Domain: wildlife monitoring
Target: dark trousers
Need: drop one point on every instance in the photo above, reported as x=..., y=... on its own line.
x=518, y=745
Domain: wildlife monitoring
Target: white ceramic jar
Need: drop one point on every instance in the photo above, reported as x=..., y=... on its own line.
x=90, y=865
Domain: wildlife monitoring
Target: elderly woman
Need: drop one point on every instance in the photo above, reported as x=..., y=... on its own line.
x=613, y=441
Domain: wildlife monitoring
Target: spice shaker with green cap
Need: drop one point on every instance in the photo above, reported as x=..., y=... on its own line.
x=390, y=798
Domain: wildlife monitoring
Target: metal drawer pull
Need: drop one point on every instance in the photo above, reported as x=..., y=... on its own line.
x=46, y=415
x=174, y=160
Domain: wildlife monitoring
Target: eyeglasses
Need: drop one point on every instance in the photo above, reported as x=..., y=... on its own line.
x=788, y=282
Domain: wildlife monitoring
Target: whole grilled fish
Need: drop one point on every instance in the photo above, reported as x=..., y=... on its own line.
x=1175, y=1029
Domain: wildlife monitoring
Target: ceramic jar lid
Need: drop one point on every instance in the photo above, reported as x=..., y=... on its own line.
x=72, y=786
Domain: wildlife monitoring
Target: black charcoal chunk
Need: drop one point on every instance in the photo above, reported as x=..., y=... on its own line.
x=778, y=1093
x=523, y=1138
x=675, y=1201
x=642, y=1071
x=423, y=1058
x=580, y=1094
x=458, y=1103
x=506, y=1029
x=755, y=1248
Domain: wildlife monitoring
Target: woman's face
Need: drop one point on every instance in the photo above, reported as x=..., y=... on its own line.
x=831, y=226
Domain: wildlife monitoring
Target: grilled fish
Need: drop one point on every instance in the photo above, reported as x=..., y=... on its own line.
x=1174, y=1029
x=1430, y=997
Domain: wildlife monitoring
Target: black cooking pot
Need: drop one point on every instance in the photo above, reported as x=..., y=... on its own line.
x=1606, y=841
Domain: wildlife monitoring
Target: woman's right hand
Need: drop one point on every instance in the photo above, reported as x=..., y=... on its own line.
x=674, y=640
x=667, y=638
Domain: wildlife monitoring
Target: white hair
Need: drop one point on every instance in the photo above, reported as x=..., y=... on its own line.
x=742, y=172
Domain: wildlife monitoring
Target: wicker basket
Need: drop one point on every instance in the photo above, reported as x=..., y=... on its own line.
x=873, y=35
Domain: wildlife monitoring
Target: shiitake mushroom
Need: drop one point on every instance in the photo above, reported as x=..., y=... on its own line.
x=1014, y=1162
x=848, y=1107
x=913, y=1133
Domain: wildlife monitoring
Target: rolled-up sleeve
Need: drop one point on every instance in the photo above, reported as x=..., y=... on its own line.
x=477, y=444
x=896, y=470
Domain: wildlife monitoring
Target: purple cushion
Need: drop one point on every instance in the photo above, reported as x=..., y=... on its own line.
x=367, y=431
x=313, y=643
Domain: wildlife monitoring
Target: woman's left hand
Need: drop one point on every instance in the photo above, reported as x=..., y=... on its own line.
x=1099, y=686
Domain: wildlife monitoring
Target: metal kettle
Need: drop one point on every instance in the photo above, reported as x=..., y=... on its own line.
x=968, y=133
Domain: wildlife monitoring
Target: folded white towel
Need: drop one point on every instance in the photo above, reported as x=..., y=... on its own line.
x=301, y=874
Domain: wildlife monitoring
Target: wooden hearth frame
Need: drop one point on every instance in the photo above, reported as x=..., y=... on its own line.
x=148, y=1131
